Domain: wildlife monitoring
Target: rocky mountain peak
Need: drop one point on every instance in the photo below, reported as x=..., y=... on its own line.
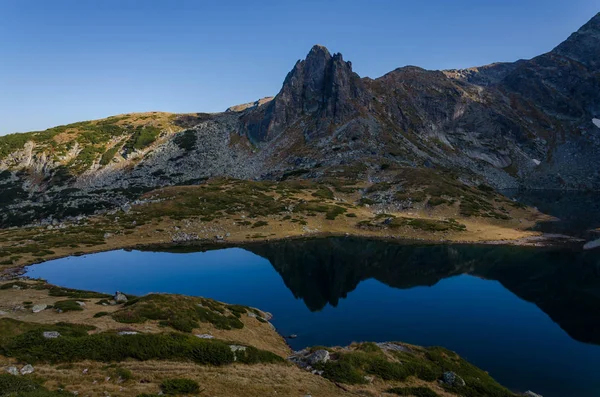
x=322, y=86
x=583, y=45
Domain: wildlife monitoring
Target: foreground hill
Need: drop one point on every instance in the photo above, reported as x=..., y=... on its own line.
x=529, y=124
x=64, y=342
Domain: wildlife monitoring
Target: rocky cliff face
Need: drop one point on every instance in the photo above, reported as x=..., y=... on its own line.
x=527, y=124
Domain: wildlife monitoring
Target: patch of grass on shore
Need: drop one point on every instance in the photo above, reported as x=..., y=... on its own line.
x=427, y=364
x=74, y=344
x=182, y=313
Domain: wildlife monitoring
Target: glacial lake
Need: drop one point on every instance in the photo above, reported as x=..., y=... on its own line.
x=529, y=316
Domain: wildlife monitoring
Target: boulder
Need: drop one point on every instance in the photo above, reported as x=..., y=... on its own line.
x=205, y=336
x=12, y=371
x=592, y=244
x=27, y=369
x=235, y=349
x=80, y=303
x=120, y=297
x=451, y=379
x=267, y=316
x=319, y=356
x=529, y=393
x=51, y=334
x=39, y=308
x=128, y=333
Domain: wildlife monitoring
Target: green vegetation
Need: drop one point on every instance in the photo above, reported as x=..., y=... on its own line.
x=429, y=225
x=101, y=314
x=122, y=373
x=323, y=192
x=142, y=137
x=109, y=154
x=427, y=364
x=186, y=140
x=260, y=224
x=25, y=342
x=179, y=386
x=26, y=386
x=182, y=313
x=67, y=306
x=413, y=391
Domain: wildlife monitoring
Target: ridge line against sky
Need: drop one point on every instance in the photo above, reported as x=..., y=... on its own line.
x=68, y=60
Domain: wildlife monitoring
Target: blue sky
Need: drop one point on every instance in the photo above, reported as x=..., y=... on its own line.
x=63, y=61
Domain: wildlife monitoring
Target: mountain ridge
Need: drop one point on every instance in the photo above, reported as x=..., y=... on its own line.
x=527, y=124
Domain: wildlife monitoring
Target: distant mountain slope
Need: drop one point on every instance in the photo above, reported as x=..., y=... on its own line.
x=527, y=124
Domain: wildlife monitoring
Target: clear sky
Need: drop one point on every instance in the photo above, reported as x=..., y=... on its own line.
x=63, y=61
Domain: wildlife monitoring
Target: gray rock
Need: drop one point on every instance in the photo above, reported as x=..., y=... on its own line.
x=12, y=371
x=205, y=336
x=39, y=308
x=128, y=333
x=529, y=393
x=120, y=297
x=51, y=334
x=27, y=369
x=319, y=356
x=390, y=346
x=267, y=316
x=80, y=303
x=451, y=379
x=2, y=313
x=235, y=349
x=592, y=244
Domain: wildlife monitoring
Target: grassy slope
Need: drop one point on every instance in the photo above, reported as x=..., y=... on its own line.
x=243, y=211
x=97, y=140
x=131, y=365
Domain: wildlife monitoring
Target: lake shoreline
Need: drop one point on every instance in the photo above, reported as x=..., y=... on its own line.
x=538, y=240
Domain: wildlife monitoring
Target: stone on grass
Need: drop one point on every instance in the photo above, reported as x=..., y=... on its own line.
x=529, y=393
x=128, y=333
x=27, y=369
x=205, y=336
x=450, y=378
x=319, y=356
x=12, y=371
x=39, y=308
x=120, y=297
x=51, y=334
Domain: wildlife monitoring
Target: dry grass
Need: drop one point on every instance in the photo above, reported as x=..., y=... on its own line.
x=255, y=333
x=226, y=207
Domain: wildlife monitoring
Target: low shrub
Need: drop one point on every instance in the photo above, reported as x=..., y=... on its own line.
x=413, y=391
x=68, y=305
x=179, y=386
x=101, y=314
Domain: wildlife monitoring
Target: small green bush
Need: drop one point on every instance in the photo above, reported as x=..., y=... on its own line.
x=123, y=373
x=343, y=372
x=101, y=314
x=179, y=386
x=413, y=391
x=68, y=305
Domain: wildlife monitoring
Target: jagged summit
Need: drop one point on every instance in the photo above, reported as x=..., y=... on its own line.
x=321, y=86
x=583, y=45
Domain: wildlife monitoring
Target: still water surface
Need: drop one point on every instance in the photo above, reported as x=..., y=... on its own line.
x=529, y=316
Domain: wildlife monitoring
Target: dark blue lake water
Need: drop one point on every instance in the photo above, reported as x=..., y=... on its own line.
x=531, y=317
